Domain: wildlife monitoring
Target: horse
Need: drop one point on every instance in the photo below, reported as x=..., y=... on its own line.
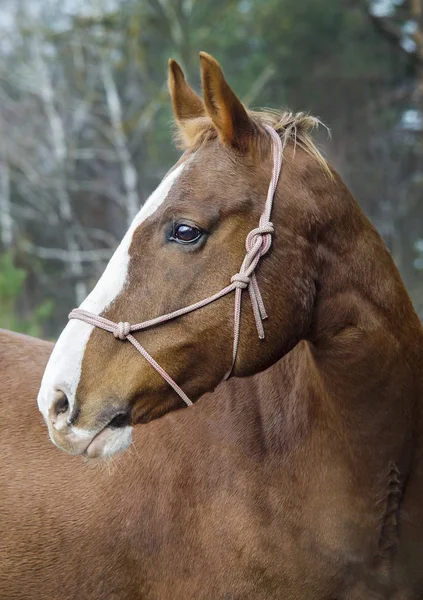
x=276, y=313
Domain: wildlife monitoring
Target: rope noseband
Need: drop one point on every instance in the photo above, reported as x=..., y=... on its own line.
x=257, y=244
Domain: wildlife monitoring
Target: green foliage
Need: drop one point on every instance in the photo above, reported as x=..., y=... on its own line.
x=12, y=282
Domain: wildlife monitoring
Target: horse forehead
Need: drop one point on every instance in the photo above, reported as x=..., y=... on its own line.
x=161, y=194
x=211, y=173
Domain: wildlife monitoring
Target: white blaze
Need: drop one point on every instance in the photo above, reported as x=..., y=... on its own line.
x=64, y=367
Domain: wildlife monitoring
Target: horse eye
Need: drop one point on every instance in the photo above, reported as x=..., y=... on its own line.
x=186, y=233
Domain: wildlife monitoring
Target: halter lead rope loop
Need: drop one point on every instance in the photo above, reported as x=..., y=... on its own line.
x=257, y=244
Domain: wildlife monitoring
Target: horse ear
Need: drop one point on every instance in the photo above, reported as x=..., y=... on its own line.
x=186, y=104
x=228, y=114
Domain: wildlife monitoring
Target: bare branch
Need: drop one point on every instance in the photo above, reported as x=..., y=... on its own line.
x=70, y=256
x=394, y=34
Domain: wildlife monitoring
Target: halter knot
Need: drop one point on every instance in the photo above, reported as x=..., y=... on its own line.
x=263, y=234
x=121, y=330
x=241, y=281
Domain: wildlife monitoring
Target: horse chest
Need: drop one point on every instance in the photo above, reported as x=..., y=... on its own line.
x=234, y=544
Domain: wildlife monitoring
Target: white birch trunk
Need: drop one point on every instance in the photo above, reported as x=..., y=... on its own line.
x=129, y=173
x=6, y=221
x=58, y=137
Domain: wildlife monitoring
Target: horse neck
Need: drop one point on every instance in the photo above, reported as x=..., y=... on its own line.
x=358, y=372
x=262, y=416
x=367, y=341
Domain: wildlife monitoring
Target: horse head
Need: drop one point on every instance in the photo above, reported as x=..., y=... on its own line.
x=186, y=244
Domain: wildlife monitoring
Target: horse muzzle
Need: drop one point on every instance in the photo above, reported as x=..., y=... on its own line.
x=104, y=441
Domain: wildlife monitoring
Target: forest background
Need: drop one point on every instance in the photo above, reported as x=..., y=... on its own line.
x=85, y=121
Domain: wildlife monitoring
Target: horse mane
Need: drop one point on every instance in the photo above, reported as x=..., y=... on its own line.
x=292, y=127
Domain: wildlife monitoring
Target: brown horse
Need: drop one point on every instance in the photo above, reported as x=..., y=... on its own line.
x=304, y=481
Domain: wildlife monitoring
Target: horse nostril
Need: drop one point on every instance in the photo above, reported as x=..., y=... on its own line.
x=61, y=405
x=120, y=420
x=59, y=411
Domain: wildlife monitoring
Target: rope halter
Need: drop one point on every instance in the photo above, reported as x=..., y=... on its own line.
x=257, y=244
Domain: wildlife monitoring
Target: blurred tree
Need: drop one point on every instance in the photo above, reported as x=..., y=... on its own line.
x=12, y=280
x=400, y=23
x=84, y=115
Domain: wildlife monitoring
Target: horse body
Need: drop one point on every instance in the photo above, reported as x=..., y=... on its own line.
x=253, y=493
x=301, y=481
